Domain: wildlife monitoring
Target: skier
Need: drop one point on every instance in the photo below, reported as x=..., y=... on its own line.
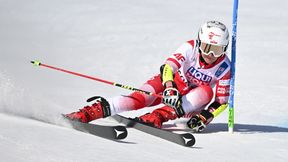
x=186, y=83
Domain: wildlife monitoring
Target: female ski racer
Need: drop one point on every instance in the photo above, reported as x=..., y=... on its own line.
x=194, y=82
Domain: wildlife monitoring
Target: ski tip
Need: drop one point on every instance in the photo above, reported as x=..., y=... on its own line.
x=189, y=139
x=36, y=63
x=121, y=132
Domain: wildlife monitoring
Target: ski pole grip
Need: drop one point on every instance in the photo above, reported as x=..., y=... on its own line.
x=36, y=63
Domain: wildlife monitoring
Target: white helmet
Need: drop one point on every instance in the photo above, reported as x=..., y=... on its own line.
x=214, y=33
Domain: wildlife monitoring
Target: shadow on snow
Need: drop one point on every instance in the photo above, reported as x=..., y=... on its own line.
x=244, y=128
x=241, y=128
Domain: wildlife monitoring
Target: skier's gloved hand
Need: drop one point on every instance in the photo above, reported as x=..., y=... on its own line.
x=199, y=121
x=172, y=98
x=196, y=123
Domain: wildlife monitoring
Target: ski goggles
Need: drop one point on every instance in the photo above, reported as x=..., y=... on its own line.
x=207, y=49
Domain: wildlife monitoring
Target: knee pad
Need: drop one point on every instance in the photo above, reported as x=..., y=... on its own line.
x=208, y=90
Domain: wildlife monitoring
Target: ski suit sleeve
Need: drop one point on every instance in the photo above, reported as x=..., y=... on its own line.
x=222, y=95
x=221, y=100
x=174, y=62
x=178, y=58
x=222, y=89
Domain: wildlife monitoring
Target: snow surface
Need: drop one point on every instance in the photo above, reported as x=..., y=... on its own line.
x=126, y=41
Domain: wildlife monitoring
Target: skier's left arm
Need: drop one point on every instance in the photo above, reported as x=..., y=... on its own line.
x=199, y=121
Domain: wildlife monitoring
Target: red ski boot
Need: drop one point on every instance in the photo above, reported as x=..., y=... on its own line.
x=158, y=116
x=100, y=109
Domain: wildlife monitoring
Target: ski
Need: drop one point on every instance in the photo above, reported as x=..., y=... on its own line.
x=108, y=132
x=186, y=139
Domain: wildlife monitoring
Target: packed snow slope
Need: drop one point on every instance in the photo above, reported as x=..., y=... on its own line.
x=126, y=41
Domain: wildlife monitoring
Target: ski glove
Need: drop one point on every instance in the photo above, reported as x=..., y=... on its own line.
x=196, y=124
x=172, y=98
